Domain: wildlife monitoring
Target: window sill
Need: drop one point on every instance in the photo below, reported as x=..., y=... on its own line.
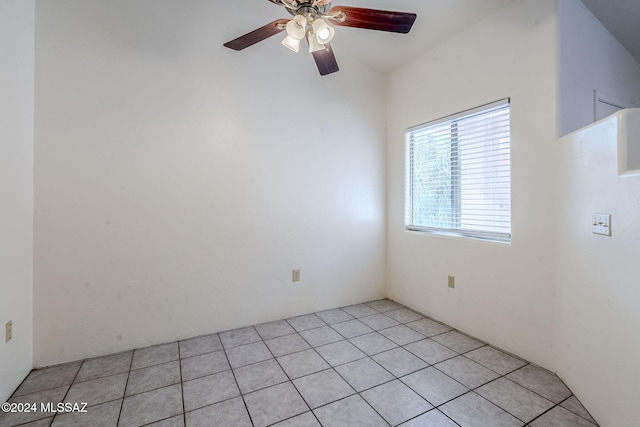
x=461, y=234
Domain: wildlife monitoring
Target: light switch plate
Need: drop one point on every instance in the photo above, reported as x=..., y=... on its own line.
x=601, y=224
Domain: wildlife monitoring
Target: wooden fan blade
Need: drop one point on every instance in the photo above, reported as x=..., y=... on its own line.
x=258, y=35
x=373, y=19
x=326, y=61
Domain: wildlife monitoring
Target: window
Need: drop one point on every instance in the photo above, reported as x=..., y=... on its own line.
x=458, y=174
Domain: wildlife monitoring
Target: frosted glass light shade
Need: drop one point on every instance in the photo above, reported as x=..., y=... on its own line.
x=323, y=32
x=291, y=43
x=314, y=46
x=297, y=27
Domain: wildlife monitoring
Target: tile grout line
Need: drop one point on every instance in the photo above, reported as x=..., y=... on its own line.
x=160, y=363
x=184, y=411
x=311, y=347
x=155, y=388
x=485, y=344
x=545, y=412
x=246, y=408
x=69, y=389
x=125, y=388
x=554, y=404
x=463, y=354
x=435, y=407
x=333, y=368
x=291, y=380
x=573, y=395
x=13, y=395
x=504, y=409
x=431, y=410
x=473, y=389
x=495, y=379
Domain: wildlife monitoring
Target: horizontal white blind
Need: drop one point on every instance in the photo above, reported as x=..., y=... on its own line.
x=458, y=174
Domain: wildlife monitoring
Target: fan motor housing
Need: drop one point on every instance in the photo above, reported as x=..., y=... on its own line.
x=305, y=7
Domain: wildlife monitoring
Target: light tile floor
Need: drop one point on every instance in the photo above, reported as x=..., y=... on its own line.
x=373, y=364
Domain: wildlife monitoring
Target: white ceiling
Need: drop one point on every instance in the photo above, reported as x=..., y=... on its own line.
x=622, y=19
x=438, y=20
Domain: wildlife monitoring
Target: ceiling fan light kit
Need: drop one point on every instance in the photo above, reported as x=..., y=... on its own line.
x=315, y=45
x=297, y=27
x=291, y=43
x=311, y=20
x=323, y=32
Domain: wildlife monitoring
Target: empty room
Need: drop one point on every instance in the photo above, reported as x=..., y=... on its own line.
x=317, y=213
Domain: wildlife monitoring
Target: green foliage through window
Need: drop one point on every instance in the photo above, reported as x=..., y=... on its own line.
x=458, y=174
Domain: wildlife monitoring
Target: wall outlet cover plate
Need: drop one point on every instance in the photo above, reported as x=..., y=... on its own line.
x=8, y=331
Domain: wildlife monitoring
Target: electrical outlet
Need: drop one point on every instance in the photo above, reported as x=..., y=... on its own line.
x=452, y=282
x=8, y=331
x=296, y=275
x=601, y=224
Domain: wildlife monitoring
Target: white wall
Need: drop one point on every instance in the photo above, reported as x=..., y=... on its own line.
x=16, y=190
x=590, y=58
x=596, y=317
x=178, y=183
x=504, y=293
x=597, y=312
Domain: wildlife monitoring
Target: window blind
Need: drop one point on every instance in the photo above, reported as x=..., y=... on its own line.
x=458, y=174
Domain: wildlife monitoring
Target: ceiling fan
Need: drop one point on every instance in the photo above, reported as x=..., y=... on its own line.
x=311, y=19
